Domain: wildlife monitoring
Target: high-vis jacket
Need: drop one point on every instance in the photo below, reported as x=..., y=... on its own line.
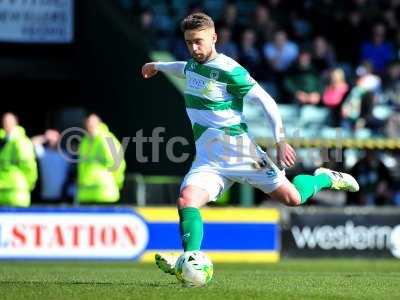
x=101, y=168
x=18, y=169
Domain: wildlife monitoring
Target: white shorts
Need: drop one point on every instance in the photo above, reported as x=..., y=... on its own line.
x=219, y=163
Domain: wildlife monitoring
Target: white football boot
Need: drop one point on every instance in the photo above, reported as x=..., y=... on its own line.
x=340, y=181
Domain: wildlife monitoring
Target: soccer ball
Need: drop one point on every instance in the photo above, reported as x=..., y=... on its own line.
x=194, y=268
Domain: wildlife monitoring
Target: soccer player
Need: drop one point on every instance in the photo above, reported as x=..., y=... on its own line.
x=216, y=87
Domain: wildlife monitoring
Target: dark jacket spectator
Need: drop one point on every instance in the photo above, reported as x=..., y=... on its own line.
x=303, y=83
x=225, y=44
x=249, y=55
x=374, y=179
x=263, y=25
x=348, y=39
x=391, y=85
x=378, y=51
x=323, y=56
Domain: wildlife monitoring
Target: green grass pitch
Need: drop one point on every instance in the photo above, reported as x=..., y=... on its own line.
x=289, y=279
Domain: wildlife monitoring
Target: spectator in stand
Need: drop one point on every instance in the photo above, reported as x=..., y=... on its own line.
x=336, y=89
x=225, y=44
x=54, y=167
x=300, y=27
x=350, y=37
x=179, y=49
x=367, y=118
x=249, y=56
x=229, y=19
x=323, y=57
x=279, y=10
x=391, y=85
x=303, y=83
x=335, y=93
x=377, y=50
x=366, y=82
x=324, y=16
x=147, y=27
x=375, y=180
x=391, y=95
x=391, y=19
x=100, y=172
x=262, y=24
x=280, y=53
x=18, y=170
x=397, y=45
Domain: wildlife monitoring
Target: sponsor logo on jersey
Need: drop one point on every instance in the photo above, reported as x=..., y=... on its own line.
x=271, y=173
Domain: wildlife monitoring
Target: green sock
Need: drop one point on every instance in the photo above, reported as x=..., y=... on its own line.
x=191, y=226
x=308, y=185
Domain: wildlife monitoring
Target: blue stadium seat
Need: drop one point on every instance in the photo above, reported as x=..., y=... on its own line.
x=382, y=111
x=289, y=112
x=311, y=114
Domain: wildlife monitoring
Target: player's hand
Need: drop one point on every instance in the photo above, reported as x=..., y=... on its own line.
x=285, y=155
x=149, y=70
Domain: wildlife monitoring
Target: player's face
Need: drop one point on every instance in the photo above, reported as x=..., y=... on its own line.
x=201, y=43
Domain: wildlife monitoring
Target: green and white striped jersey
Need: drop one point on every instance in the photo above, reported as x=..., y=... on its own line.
x=214, y=93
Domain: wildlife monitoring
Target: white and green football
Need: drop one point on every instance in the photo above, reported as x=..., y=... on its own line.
x=194, y=269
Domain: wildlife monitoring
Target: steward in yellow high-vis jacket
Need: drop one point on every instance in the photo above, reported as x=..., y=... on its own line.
x=18, y=169
x=100, y=168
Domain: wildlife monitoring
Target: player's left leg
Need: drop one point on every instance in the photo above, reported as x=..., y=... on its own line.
x=190, y=200
x=305, y=187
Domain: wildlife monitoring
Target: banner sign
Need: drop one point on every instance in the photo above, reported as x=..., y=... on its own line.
x=340, y=234
x=230, y=234
x=71, y=234
x=37, y=21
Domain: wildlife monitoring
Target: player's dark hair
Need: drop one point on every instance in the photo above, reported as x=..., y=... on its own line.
x=197, y=21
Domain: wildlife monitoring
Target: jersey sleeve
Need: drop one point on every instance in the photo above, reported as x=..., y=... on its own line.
x=270, y=108
x=240, y=82
x=176, y=68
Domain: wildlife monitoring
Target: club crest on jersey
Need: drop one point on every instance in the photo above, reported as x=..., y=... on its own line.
x=271, y=173
x=214, y=74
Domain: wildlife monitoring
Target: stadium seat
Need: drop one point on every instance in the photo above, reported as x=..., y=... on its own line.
x=363, y=133
x=333, y=133
x=310, y=114
x=382, y=111
x=289, y=112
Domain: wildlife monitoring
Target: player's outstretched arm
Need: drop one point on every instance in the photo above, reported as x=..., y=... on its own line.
x=286, y=156
x=176, y=68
